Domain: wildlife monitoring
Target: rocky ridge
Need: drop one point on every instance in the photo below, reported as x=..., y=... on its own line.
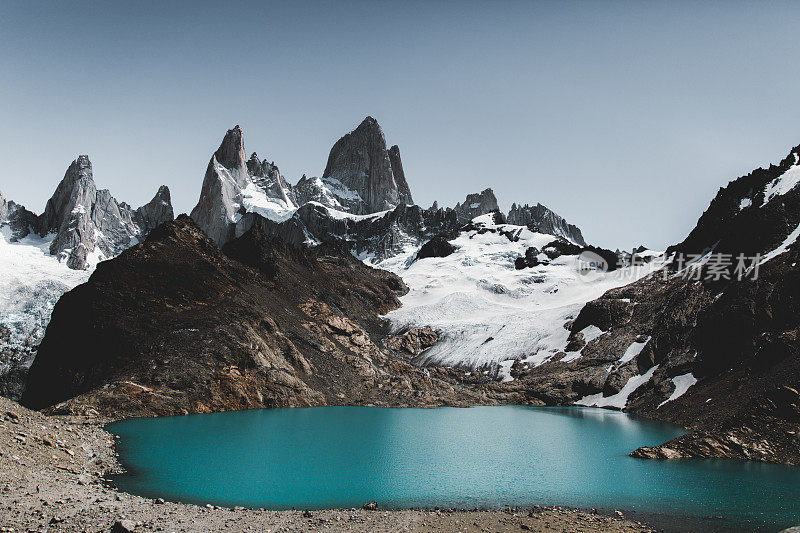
x=196, y=330
x=541, y=219
x=475, y=205
x=363, y=199
x=88, y=223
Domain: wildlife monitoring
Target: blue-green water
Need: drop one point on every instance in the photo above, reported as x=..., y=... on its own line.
x=487, y=457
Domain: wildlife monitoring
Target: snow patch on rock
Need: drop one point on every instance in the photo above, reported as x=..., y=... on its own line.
x=682, y=384
x=633, y=350
x=782, y=184
x=620, y=399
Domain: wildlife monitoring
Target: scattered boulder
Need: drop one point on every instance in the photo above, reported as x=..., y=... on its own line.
x=576, y=342
x=123, y=526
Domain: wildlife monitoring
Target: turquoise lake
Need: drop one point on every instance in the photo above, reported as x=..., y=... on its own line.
x=484, y=457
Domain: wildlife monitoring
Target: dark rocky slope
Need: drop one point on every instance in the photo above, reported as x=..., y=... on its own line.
x=176, y=326
x=738, y=338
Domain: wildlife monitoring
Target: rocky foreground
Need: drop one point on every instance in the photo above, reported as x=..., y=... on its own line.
x=53, y=472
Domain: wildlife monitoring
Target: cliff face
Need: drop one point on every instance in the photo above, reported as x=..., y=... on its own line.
x=369, y=176
x=175, y=326
x=220, y=201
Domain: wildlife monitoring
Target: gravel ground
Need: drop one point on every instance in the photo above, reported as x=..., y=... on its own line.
x=52, y=478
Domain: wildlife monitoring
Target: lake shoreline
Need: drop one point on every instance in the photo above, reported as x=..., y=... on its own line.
x=54, y=472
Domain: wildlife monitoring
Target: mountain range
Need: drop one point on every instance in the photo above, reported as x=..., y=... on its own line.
x=339, y=290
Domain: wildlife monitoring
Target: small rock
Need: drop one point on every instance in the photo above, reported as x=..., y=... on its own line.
x=160, y=501
x=371, y=506
x=123, y=526
x=307, y=514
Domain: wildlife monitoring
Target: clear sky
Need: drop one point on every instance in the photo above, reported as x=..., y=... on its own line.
x=623, y=117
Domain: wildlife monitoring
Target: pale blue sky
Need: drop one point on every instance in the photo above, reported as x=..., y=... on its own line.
x=624, y=117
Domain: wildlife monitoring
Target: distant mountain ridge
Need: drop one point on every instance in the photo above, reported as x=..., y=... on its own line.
x=542, y=219
x=89, y=224
x=362, y=198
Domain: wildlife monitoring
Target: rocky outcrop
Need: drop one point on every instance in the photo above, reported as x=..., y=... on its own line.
x=476, y=204
x=403, y=190
x=436, y=247
x=414, y=341
x=266, y=176
x=196, y=330
x=155, y=212
x=363, y=175
x=19, y=220
x=541, y=219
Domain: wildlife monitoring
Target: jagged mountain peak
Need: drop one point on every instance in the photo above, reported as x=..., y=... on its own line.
x=399, y=175
x=476, y=204
x=235, y=186
x=79, y=164
x=231, y=151
x=370, y=122
x=544, y=220
x=752, y=214
x=76, y=191
x=90, y=224
x=369, y=177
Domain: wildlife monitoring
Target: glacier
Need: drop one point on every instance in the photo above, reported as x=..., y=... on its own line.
x=487, y=312
x=31, y=282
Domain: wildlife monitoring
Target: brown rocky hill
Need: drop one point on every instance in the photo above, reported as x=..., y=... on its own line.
x=175, y=325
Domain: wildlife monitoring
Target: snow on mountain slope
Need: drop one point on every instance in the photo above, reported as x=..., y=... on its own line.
x=485, y=310
x=783, y=183
x=255, y=200
x=31, y=282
